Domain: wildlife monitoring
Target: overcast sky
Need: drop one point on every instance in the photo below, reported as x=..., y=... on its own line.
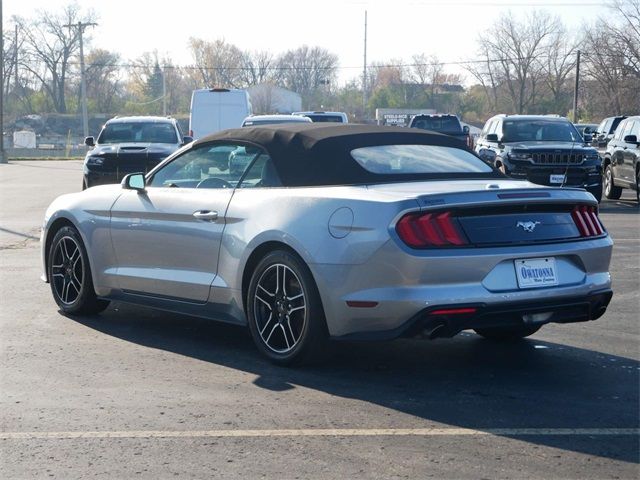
x=397, y=29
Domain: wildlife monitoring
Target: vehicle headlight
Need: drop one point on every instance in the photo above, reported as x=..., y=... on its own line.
x=520, y=156
x=95, y=161
x=593, y=156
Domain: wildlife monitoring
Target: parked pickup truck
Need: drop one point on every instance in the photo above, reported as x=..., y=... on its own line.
x=443, y=123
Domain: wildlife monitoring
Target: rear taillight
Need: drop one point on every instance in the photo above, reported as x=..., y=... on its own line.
x=587, y=221
x=425, y=230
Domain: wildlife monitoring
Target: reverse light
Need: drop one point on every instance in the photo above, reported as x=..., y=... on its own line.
x=587, y=221
x=425, y=230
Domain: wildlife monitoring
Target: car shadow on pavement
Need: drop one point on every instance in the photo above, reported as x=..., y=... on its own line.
x=465, y=382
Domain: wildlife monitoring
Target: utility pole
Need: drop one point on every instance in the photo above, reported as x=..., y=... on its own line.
x=575, y=90
x=364, y=70
x=83, y=84
x=2, y=155
x=164, y=90
x=15, y=60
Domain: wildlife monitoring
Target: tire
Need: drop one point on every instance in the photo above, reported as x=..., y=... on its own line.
x=610, y=190
x=597, y=193
x=70, y=275
x=507, y=333
x=284, y=310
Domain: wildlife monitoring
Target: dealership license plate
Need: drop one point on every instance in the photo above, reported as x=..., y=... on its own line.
x=556, y=178
x=536, y=272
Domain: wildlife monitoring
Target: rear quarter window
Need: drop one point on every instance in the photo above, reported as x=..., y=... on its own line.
x=418, y=159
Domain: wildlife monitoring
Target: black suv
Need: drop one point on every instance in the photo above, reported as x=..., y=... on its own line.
x=604, y=132
x=621, y=161
x=129, y=145
x=544, y=149
x=446, y=124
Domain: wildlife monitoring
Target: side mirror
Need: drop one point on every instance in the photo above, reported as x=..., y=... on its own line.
x=134, y=181
x=90, y=142
x=587, y=138
x=186, y=139
x=465, y=129
x=630, y=139
x=492, y=137
x=487, y=155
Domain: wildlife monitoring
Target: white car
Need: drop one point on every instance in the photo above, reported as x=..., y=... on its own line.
x=254, y=120
x=339, y=117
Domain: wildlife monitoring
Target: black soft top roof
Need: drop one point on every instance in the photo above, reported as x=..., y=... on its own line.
x=314, y=154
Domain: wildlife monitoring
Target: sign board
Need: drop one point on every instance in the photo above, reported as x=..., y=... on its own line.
x=399, y=117
x=24, y=139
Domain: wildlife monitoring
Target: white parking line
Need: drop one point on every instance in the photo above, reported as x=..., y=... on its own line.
x=331, y=432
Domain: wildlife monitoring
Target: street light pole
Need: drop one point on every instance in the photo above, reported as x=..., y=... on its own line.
x=83, y=84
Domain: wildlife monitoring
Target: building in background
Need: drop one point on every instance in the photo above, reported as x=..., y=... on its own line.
x=268, y=98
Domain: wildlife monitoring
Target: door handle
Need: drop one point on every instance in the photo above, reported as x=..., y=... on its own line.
x=206, y=215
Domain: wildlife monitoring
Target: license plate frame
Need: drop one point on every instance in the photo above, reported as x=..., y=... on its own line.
x=536, y=272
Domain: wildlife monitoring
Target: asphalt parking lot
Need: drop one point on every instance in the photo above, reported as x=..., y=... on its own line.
x=134, y=393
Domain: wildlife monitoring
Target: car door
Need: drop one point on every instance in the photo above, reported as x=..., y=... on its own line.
x=620, y=158
x=629, y=153
x=167, y=238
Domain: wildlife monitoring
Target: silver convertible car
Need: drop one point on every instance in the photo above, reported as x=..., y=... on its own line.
x=336, y=231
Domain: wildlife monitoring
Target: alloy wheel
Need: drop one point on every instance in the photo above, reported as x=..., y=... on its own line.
x=279, y=308
x=67, y=270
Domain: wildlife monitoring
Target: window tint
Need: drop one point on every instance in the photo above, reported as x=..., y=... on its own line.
x=618, y=133
x=325, y=118
x=416, y=159
x=540, y=130
x=600, y=128
x=207, y=166
x=494, y=126
x=438, y=124
x=615, y=122
x=607, y=126
x=628, y=130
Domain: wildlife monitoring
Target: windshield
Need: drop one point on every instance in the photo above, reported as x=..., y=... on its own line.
x=438, y=124
x=540, y=131
x=414, y=159
x=138, y=132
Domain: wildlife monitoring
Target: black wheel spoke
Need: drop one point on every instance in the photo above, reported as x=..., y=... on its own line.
x=67, y=270
x=279, y=308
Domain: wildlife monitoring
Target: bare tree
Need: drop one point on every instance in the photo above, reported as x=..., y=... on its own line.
x=559, y=64
x=613, y=59
x=258, y=67
x=49, y=47
x=484, y=71
x=517, y=49
x=307, y=69
x=104, y=86
x=218, y=64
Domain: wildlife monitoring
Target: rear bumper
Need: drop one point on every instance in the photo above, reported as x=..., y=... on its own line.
x=442, y=321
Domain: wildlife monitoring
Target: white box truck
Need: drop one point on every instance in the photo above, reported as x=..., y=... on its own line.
x=217, y=109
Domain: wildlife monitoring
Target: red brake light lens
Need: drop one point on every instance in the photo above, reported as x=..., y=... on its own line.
x=426, y=230
x=587, y=221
